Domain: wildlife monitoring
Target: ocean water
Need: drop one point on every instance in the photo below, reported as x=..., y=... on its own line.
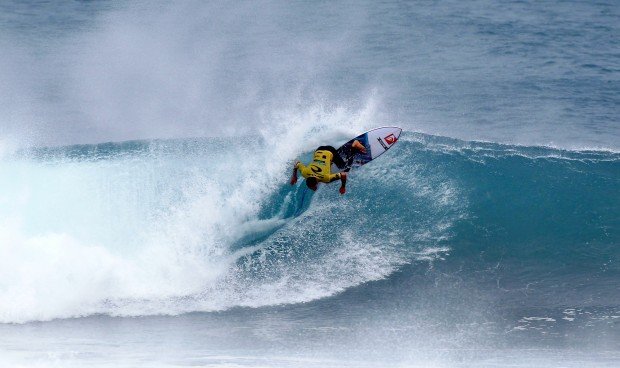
x=146, y=217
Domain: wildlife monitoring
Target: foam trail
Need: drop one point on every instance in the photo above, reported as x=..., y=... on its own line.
x=129, y=228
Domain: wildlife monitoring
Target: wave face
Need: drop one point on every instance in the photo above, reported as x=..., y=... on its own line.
x=176, y=226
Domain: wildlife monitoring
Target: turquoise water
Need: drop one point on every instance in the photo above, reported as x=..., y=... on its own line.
x=443, y=251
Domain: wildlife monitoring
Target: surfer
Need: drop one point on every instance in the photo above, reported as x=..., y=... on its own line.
x=319, y=170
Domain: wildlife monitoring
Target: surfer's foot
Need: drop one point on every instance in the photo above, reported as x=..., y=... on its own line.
x=358, y=146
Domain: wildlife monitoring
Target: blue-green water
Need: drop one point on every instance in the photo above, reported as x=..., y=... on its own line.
x=441, y=251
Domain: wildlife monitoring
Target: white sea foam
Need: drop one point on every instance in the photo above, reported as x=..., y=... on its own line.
x=141, y=234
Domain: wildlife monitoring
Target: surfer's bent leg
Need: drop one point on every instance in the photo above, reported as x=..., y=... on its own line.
x=337, y=160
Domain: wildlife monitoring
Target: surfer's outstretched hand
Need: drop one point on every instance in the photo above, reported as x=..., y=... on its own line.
x=294, y=177
x=343, y=190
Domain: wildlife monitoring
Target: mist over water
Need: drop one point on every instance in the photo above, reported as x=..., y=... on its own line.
x=513, y=72
x=162, y=70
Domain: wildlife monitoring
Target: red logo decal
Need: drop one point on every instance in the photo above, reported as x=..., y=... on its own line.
x=390, y=139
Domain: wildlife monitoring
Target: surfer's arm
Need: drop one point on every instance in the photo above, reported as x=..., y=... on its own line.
x=294, y=177
x=343, y=180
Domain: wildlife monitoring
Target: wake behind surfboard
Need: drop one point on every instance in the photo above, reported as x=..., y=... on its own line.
x=376, y=141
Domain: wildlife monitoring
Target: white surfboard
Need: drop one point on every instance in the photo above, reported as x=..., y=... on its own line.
x=377, y=141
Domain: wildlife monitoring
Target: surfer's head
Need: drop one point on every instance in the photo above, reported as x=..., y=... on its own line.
x=312, y=183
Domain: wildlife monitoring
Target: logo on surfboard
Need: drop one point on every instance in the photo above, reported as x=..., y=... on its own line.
x=390, y=139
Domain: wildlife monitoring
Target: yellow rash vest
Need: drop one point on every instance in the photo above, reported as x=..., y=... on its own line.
x=320, y=167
